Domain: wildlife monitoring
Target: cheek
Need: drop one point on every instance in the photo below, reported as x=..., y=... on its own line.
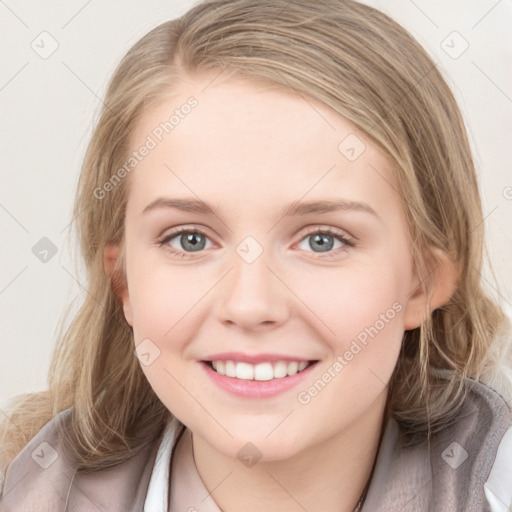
x=347, y=301
x=165, y=306
x=161, y=297
x=360, y=315
x=362, y=357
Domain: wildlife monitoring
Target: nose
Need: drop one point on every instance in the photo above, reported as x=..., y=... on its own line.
x=253, y=296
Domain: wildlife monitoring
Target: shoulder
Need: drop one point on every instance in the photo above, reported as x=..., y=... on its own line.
x=498, y=486
x=472, y=450
x=41, y=477
x=498, y=377
x=494, y=419
x=39, y=463
x=451, y=470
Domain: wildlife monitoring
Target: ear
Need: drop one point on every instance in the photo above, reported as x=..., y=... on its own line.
x=443, y=276
x=112, y=265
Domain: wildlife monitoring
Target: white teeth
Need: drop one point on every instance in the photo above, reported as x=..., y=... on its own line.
x=280, y=369
x=261, y=371
x=244, y=371
x=230, y=369
x=293, y=368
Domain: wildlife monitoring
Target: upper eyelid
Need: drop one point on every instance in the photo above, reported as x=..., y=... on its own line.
x=331, y=230
x=167, y=234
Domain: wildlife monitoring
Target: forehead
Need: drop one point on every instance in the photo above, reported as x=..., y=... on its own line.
x=217, y=139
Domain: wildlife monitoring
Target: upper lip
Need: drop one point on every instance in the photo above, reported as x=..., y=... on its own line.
x=240, y=357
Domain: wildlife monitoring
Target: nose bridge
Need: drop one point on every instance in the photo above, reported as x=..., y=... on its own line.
x=254, y=294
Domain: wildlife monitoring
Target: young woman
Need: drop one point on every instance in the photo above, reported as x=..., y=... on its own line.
x=280, y=218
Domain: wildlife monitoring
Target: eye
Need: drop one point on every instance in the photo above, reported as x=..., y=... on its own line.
x=323, y=240
x=183, y=241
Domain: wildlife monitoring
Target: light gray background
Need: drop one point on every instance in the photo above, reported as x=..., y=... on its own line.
x=49, y=104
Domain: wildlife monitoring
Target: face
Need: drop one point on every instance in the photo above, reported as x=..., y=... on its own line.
x=299, y=261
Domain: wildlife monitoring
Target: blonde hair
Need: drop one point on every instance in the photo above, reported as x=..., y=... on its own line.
x=370, y=70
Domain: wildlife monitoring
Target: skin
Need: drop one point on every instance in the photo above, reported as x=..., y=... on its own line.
x=249, y=150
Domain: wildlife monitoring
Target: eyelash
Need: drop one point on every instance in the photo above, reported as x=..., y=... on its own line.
x=349, y=242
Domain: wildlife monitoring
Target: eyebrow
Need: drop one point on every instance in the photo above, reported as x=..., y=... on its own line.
x=293, y=209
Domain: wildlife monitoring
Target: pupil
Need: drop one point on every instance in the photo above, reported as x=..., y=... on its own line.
x=325, y=242
x=191, y=238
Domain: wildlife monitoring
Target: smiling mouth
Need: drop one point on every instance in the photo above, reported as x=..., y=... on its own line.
x=261, y=371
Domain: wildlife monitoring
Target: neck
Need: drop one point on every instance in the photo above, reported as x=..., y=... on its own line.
x=331, y=476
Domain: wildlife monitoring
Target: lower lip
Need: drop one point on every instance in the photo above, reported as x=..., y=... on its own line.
x=256, y=388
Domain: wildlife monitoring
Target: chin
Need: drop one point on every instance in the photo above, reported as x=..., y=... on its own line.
x=257, y=445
